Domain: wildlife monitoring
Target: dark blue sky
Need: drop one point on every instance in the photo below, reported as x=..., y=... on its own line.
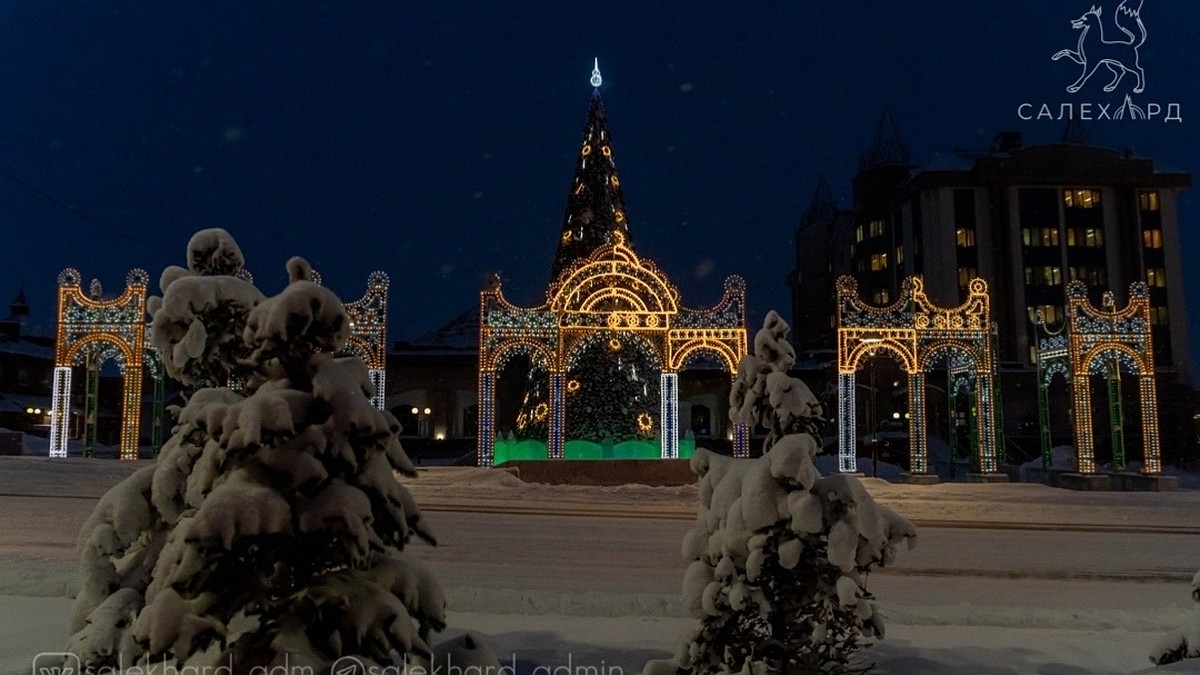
x=436, y=140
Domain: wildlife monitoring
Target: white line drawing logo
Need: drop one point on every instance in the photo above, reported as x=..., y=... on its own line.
x=348, y=665
x=1120, y=56
x=56, y=663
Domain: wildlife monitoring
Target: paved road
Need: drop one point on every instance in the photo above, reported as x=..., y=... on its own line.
x=950, y=565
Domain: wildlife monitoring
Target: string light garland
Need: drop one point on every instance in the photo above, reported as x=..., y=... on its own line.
x=1104, y=341
x=918, y=333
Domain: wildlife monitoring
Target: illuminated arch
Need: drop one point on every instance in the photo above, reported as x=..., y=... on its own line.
x=1124, y=334
x=917, y=331
x=1090, y=361
x=87, y=324
x=613, y=270
x=612, y=292
x=695, y=348
x=368, y=331
x=866, y=347
x=949, y=348
x=536, y=350
x=575, y=343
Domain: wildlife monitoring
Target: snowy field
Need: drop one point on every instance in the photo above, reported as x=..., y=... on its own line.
x=1005, y=579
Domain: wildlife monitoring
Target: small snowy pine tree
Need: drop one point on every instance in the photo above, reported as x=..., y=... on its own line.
x=779, y=554
x=269, y=531
x=1183, y=642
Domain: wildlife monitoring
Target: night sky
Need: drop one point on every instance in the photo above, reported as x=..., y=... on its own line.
x=436, y=140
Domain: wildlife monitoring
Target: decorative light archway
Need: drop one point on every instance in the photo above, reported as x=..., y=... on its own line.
x=613, y=291
x=917, y=332
x=1100, y=341
x=368, y=332
x=90, y=330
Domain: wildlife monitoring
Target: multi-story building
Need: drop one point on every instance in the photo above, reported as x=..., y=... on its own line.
x=1028, y=219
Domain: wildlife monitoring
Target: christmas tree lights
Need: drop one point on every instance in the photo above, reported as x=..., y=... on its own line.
x=917, y=333
x=616, y=301
x=611, y=337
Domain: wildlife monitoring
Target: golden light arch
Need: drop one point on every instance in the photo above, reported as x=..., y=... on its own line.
x=698, y=346
x=612, y=292
x=917, y=331
x=1101, y=339
x=86, y=322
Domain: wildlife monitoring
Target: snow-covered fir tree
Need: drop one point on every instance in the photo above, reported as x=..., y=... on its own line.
x=270, y=530
x=1183, y=642
x=779, y=554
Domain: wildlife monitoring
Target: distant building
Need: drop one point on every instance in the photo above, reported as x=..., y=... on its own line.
x=1028, y=219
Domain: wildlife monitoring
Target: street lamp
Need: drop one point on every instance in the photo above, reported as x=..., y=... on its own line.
x=422, y=416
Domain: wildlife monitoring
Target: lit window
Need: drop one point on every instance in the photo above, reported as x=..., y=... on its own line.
x=879, y=261
x=1088, y=237
x=964, y=237
x=899, y=255
x=1039, y=236
x=1148, y=201
x=858, y=234
x=1152, y=238
x=1156, y=276
x=1081, y=199
x=965, y=275
x=877, y=228
x=1092, y=276
x=880, y=296
x=1043, y=276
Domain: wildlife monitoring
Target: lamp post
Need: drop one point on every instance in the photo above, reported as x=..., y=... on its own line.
x=422, y=415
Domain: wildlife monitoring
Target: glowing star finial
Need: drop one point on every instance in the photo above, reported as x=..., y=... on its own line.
x=596, y=79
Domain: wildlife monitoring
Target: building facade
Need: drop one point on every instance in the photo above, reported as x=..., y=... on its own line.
x=1028, y=219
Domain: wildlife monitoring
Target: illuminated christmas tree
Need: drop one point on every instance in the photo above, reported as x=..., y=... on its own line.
x=613, y=379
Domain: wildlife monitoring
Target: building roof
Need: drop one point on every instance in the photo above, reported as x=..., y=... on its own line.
x=458, y=335
x=889, y=147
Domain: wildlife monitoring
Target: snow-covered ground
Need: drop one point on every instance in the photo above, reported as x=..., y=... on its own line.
x=1055, y=582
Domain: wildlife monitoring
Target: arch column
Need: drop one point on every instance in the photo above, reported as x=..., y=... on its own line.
x=985, y=423
x=1152, y=459
x=60, y=415
x=668, y=414
x=847, y=421
x=918, y=452
x=131, y=411
x=741, y=440
x=485, y=437
x=379, y=379
x=558, y=416
x=1116, y=416
x=1085, y=455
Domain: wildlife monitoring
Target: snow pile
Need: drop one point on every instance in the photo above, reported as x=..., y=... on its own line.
x=271, y=528
x=1183, y=642
x=779, y=554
